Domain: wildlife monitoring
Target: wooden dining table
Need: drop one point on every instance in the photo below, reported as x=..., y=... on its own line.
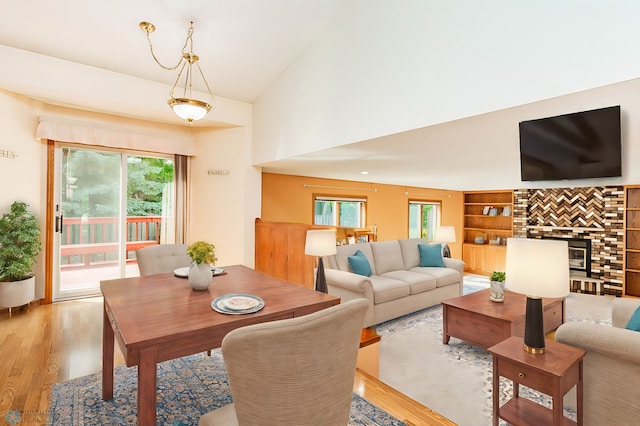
x=160, y=317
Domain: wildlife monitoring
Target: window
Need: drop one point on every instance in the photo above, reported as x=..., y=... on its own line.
x=424, y=218
x=339, y=211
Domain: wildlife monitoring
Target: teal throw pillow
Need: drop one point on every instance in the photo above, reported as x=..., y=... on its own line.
x=634, y=321
x=431, y=255
x=360, y=264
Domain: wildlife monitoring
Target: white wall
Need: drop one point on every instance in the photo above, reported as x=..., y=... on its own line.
x=390, y=67
x=226, y=194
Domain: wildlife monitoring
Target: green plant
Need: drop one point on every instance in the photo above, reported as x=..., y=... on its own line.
x=498, y=276
x=202, y=252
x=19, y=243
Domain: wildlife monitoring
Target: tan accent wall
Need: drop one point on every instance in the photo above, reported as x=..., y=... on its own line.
x=285, y=198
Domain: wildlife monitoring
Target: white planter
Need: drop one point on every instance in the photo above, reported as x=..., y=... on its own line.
x=17, y=293
x=200, y=276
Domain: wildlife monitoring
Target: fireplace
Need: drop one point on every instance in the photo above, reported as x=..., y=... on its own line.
x=579, y=255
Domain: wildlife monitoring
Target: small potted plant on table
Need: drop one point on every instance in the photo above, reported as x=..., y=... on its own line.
x=497, y=286
x=203, y=256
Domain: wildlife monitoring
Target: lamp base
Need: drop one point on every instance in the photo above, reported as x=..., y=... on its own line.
x=534, y=326
x=321, y=281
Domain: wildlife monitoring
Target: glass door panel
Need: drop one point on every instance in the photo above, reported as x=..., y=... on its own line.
x=110, y=204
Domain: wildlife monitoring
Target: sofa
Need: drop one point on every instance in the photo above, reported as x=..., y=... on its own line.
x=397, y=284
x=611, y=366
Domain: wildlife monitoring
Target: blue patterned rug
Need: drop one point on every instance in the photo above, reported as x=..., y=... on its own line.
x=187, y=388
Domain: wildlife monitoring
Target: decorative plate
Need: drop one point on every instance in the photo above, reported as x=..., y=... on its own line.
x=237, y=304
x=181, y=272
x=184, y=272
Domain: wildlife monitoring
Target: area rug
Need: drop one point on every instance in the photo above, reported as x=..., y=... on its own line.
x=187, y=388
x=455, y=380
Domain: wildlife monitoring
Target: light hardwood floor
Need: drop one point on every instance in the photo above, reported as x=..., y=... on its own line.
x=47, y=344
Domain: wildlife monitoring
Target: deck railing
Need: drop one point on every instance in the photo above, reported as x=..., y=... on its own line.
x=92, y=241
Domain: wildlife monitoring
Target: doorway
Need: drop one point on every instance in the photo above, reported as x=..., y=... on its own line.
x=108, y=203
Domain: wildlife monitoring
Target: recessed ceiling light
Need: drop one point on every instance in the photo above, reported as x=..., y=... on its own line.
x=364, y=173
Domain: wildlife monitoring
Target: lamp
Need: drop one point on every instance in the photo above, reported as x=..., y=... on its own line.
x=538, y=268
x=185, y=106
x=445, y=234
x=320, y=242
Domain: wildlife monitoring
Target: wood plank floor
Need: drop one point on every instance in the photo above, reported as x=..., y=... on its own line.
x=46, y=344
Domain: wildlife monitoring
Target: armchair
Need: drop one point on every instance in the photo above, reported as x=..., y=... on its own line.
x=611, y=366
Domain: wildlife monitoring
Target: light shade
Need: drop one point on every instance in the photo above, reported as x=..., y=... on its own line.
x=537, y=267
x=445, y=234
x=189, y=109
x=320, y=242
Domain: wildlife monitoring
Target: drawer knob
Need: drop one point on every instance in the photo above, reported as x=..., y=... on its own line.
x=521, y=375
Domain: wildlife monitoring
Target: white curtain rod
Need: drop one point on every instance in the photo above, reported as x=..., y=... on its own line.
x=340, y=187
x=425, y=195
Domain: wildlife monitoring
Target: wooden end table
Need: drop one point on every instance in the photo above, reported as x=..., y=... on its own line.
x=554, y=373
x=477, y=320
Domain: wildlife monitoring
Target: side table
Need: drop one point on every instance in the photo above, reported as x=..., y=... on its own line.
x=554, y=373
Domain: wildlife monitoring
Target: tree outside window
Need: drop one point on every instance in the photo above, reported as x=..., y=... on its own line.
x=337, y=211
x=424, y=218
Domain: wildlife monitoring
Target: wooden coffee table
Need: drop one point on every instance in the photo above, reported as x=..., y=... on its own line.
x=477, y=320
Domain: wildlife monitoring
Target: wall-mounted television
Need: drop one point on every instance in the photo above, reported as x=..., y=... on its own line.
x=580, y=145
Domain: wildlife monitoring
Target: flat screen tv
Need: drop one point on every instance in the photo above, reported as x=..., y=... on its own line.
x=580, y=145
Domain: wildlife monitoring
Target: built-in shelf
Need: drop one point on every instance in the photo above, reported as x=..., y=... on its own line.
x=632, y=241
x=487, y=215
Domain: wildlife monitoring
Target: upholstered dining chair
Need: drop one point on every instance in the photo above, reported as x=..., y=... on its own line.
x=162, y=258
x=292, y=372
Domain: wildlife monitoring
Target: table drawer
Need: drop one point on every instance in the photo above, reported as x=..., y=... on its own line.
x=552, y=317
x=525, y=375
x=475, y=328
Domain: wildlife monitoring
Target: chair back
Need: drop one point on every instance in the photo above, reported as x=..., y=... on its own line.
x=162, y=258
x=298, y=371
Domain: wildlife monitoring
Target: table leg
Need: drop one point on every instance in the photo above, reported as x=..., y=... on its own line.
x=496, y=392
x=557, y=404
x=107, y=357
x=445, y=320
x=579, y=396
x=147, y=377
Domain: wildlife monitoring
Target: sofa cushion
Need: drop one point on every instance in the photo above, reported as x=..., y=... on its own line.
x=417, y=282
x=359, y=264
x=410, y=252
x=431, y=255
x=386, y=289
x=343, y=253
x=387, y=256
x=634, y=321
x=443, y=276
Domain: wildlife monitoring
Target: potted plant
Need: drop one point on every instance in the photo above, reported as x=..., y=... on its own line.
x=203, y=256
x=19, y=248
x=497, y=286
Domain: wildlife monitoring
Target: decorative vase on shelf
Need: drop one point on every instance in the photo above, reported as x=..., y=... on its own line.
x=200, y=275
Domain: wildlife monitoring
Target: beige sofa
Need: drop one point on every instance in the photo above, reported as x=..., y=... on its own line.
x=611, y=367
x=398, y=285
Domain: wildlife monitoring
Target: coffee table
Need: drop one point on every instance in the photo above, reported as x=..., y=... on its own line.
x=159, y=317
x=477, y=320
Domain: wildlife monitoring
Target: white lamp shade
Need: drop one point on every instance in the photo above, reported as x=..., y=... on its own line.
x=320, y=242
x=445, y=234
x=537, y=267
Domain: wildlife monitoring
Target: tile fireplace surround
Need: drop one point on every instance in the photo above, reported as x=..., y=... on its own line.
x=595, y=213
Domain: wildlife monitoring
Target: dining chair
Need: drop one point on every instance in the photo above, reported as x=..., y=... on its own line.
x=162, y=258
x=292, y=372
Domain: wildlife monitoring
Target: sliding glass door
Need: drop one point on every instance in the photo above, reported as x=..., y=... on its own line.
x=108, y=204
